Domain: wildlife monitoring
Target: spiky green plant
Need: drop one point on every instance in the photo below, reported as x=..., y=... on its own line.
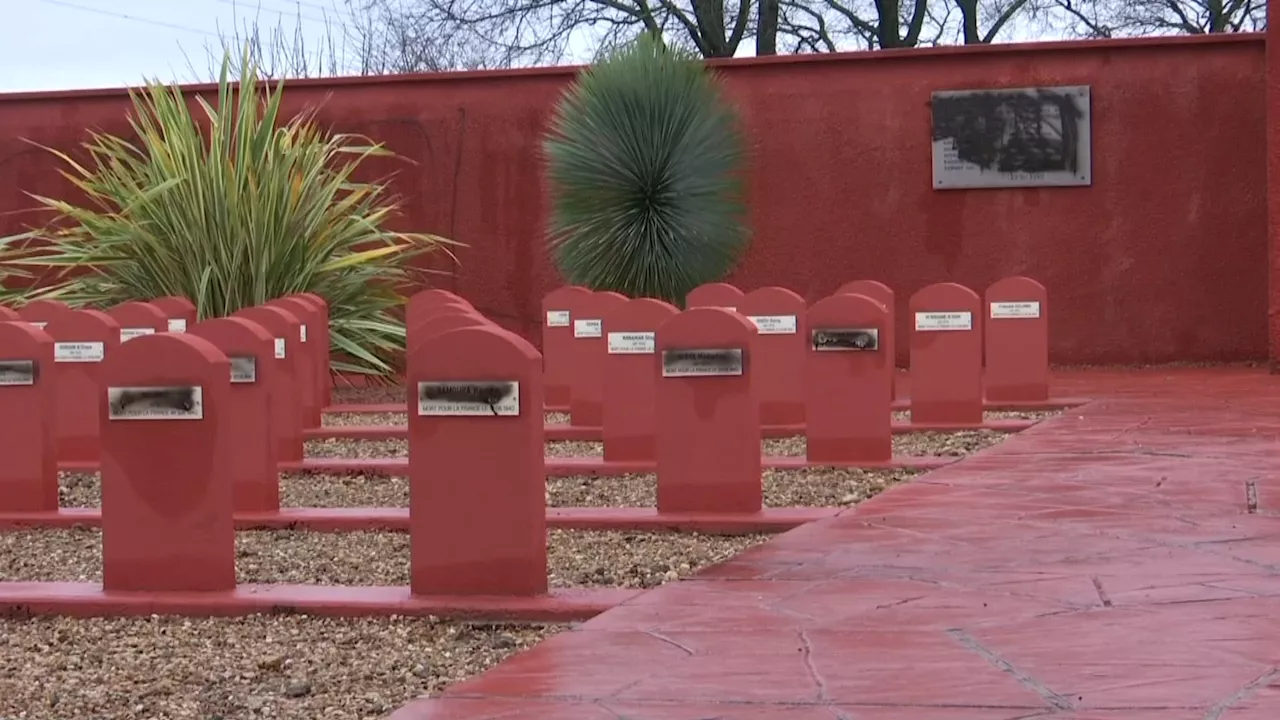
x=644, y=158
x=232, y=205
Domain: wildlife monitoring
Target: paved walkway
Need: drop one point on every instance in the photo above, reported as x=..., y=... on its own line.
x=1101, y=566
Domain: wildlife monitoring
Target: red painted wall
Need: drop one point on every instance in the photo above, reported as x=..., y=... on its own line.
x=1163, y=259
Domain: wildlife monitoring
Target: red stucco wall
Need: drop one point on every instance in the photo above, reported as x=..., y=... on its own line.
x=1164, y=258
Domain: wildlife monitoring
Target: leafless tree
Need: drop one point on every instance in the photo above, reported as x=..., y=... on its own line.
x=351, y=38
x=1120, y=18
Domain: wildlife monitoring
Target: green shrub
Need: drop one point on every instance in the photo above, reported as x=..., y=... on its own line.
x=644, y=158
x=232, y=206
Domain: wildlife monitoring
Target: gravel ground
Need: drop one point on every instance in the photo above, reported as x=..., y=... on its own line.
x=281, y=667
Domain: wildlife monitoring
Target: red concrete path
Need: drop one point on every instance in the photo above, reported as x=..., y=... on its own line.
x=1100, y=566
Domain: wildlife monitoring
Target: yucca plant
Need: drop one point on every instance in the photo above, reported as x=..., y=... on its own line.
x=232, y=205
x=644, y=157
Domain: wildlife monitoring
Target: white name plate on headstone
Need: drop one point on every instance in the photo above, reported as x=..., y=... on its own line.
x=557, y=318
x=78, y=352
x=937, y=321
x=587, y=328
x=774, y=324
x=1028, y=309
x=631, y=343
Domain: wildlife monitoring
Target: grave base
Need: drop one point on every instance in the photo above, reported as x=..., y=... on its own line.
x=769, y=520
x=902, y=404
x=26, y=599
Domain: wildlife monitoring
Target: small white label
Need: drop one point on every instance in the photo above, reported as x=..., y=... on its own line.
x=557, y=318
x=78, y=352
x=931, y=321
x=155, y=403
x=177, y=325
x=279, y=348
x=587, y=328
x=631, y=343
x=40, y=325
x=459, y=397
x=302, y=332
x=244, y=369
x=774, y=324
x=1029, y=309
x=131, y=333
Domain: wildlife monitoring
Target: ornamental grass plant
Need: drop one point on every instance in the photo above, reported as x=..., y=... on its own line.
x=644, y=158
x=231, y=205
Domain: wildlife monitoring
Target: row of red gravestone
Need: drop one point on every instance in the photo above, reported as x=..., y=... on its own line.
x=1013, y=339
x=53, y=362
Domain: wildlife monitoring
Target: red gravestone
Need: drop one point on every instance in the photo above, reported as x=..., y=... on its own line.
x=251, y=462
x=286, y=412
x=82, y=340
x=946, y=355
x=558, y=358
x=324, y=370
x=423, y=303
x=310, y=356
x=440, y=311
x=477, y=506
x=882, y=294
x=179, y=312
x=708, y=420
x=28, y=451
x=722, y=295
x=138, y=318
x=9, y=315
x=586, y=394
x=848, y=381
x=1017, y=341
x=630, y=378
x=433, y=326
x=40, y=312
x=166, y=492
x=777, y=352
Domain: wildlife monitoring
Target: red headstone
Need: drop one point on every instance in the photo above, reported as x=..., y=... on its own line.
x=311, y=354
x=40, y=312
x=848, y=381
x=440, y=311
x=882, y=294
x=477, y=505
x=777, y=352
x=708, y=419
x=82, y=340
x=433, y=326
x=558, y=358
x=722, y=295
x=166, y=492
x=251, y=462
x=946, y=355
x=286, y=411
x=324, y=376
x=9, y=315
x=586, y=394
x=138, y=318
x=179, y=311
x=630, y=378
x=423, y=303
x=1017, y=337
x=28, y=450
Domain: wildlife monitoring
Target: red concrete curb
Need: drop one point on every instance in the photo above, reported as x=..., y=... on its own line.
x=25, y=599
x=769, y=520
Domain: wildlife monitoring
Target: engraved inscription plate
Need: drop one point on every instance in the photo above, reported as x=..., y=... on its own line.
x=557, y=318
x=131, y=333
x=587, y=328
x=78, y=352
x=461, y=397
x=938, y=321
x=1003, y=310
x=244, y=368
x=774, y=324
x=279, y=348
x=631, y=343
x=846, y=339
x=18, y=372
x=177, y=325
x=181, y=402
x=702, y=362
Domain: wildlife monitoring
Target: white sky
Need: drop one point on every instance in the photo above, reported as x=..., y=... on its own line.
x=65, y=44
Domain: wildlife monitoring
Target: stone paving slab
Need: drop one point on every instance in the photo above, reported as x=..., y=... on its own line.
x=1120, y=562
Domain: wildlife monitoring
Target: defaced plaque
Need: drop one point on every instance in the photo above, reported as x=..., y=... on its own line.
x=702, y=362
x=846, y=339
x=461, y=398
x=179, y=402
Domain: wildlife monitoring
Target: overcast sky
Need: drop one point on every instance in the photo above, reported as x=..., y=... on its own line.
x=65, y=44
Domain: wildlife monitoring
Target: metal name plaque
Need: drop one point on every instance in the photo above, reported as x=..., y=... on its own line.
x=462, y=398
x=18, y=372
x=244, y=369
x=846, y=339
x=181, y=402
x=702, y=363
